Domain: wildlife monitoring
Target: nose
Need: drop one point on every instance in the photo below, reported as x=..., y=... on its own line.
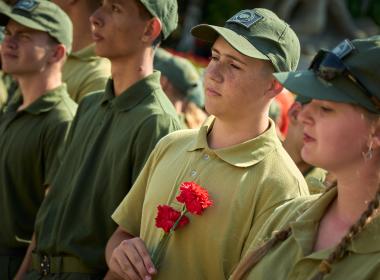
x=305, y=115
x=96, y=18
x=213, y=72
x=9, y=42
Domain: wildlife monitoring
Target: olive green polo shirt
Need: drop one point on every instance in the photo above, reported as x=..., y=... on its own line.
x=246, y=182
x=315, y=178
x=29, y=141
x=84, y=72
x=294, y=258
x=3, y=92
x=110, y=140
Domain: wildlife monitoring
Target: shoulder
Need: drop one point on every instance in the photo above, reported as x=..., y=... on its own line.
x=283, y=215
x=178, y=140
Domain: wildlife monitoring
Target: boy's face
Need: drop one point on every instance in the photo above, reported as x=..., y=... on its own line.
x=25, y=51
x=235, y=84
x=117, y=29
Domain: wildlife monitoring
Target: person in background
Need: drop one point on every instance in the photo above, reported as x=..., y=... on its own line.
x=183, y=85
x=293, y=143
x=84, y=72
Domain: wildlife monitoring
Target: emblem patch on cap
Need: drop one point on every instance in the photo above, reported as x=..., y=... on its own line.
x=26, y=5
x=247, y=18
x=343, y=49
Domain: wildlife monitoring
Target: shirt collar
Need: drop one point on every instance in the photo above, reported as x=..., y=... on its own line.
x=134, y=94
x=245, y=154
x=305, y=228
x=44, y=103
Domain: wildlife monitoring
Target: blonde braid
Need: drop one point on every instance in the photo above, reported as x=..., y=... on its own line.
x=255, y=256
x=341, y=249
x=251, y=259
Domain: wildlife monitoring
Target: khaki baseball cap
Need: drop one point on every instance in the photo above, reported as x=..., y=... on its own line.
x=357, y=83
x=166, y=11
x=41, y=15
x=257, y=33
x=182, y=74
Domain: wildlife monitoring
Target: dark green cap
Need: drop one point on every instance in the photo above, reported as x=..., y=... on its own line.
x=41, y=15
x=363, y=62
x=166, y=11
x=182, y=74
x=257, y=33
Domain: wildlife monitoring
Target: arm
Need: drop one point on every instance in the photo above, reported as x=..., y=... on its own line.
x=27, y=262
x=127, y=257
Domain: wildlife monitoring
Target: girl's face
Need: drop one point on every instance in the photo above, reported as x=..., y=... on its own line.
x=335, y=134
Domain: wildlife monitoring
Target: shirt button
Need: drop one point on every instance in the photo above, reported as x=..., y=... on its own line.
x=206, y=157
x=193, y=173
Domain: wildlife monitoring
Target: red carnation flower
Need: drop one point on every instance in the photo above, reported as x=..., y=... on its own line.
x=167, y=216
x=194, y=197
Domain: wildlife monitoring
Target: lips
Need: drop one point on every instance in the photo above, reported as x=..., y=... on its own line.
x=8, y=55
x=97, y=37
x=307, y=138
x=212, y=92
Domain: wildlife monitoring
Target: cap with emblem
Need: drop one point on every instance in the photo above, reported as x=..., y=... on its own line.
x=43, y=16
x=166, y=11
x=257, y=33
x=349, y=74
x=182, y=74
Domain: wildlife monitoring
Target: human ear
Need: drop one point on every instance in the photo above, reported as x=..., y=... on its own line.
x=152, y=30
x=274, y=88
x=58, y=53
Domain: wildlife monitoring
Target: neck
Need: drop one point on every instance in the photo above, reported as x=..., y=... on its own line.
x=127, y=71
x=34, y=86
x=226, y=134
x=356, y=188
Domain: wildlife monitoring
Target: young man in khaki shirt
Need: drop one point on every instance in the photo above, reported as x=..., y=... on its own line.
x=236, y=156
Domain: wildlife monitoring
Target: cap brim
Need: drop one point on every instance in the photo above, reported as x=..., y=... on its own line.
x=210, y=33
x=5, y=16
x=309, y=85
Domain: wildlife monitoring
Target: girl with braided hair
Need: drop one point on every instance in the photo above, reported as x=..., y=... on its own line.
x=337, y=235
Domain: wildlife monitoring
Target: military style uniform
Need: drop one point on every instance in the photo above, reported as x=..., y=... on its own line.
x=30, y=140
x=84, y=72
x=246, y=182
x=294, y=258
x=315, y=178
x=108, y=145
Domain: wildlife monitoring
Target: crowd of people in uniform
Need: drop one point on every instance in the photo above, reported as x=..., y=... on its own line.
x=100, y=128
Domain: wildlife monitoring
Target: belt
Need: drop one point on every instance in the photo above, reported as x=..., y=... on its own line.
x=12, y=252
x=46, y=265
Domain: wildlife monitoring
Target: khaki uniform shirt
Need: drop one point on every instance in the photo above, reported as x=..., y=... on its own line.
x=84, y=72
x=3, y=92
x=314, y=179
x=29, y=141
x=109, y=142
x=246, y=182
x=294, y=258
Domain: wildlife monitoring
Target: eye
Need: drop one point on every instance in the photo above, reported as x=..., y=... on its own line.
x=325, y=109
x=115, y=8
x=214, y=58
x=235, y=66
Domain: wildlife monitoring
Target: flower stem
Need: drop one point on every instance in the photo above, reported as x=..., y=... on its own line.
x=159, y=252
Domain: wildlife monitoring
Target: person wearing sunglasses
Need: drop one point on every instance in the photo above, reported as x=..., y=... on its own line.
x=334, y=236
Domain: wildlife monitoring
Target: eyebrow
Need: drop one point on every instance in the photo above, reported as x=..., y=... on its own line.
x=229, y=56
